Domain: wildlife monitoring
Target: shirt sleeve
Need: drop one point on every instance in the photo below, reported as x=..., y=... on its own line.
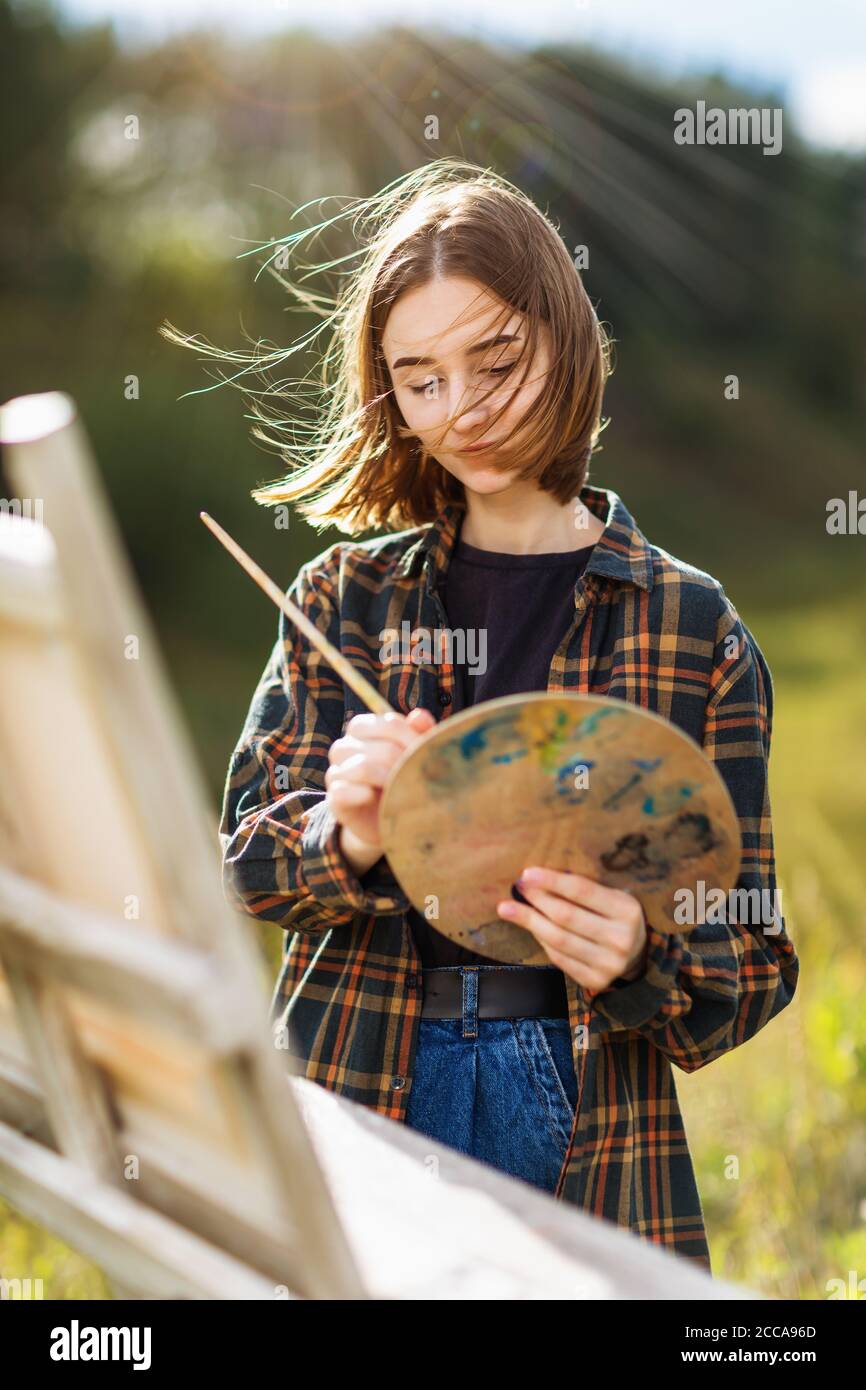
x=280, y=856
x=711, y=988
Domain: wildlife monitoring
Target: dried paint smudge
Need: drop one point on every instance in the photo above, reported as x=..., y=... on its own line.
x=653, y=857
x=610, y=803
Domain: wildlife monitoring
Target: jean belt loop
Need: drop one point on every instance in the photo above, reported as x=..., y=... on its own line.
x=470, y=1001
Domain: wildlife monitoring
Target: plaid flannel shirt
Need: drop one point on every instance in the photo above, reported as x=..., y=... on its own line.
x=647, y=628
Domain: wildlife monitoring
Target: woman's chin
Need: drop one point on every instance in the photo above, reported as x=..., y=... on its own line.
x=485, y=479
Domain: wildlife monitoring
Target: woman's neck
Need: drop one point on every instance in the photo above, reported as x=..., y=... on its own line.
x=532, y=523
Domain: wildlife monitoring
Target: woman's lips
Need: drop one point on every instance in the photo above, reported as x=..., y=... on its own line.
x=485, y=447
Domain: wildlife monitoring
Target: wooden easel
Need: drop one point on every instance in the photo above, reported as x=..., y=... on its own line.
x=131, y=1010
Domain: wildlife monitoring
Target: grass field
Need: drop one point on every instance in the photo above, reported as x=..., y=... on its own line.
x=790, y=1106
x=777, y=1128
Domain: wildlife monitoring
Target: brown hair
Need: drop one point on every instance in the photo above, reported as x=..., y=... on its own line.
x=362, y=467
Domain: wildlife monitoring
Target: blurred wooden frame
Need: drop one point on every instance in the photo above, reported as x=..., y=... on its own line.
x=144, y=1114
x=131, y=1020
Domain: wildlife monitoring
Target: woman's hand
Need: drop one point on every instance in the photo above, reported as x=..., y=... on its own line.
x=359, y=765
x=593, y=933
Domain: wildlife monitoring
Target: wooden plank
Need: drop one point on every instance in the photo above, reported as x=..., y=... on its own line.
x=76, y=948
x=76, y=1099
x=430, y=1223
x=49, y=457
x=142, y=1250
x=163, y=981
x=50, y=838
x=22, y=1104
x=169, y=1186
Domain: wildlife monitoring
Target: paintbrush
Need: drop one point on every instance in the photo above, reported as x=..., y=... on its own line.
x=362, y=688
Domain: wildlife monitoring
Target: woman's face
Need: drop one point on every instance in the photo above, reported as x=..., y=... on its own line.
x=451, y=326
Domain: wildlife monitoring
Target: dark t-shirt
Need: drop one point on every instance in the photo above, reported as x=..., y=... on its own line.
x=515, y=610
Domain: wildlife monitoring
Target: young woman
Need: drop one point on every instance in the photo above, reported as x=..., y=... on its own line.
x=467, y=371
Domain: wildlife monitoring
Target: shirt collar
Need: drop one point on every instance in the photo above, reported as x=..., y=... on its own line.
x=621, y=552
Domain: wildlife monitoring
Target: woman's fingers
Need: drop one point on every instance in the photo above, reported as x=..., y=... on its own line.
x=361, y=762
x=383, y=738
x=348, y=795
x=382, y=749
x=396, y=728
x=567, y=915
x=420, y=719
x=361, y=767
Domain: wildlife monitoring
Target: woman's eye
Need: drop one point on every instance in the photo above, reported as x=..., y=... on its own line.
x=423, y=390
x=491, y=371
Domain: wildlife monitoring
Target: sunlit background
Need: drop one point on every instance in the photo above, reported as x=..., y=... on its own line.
x=705, y=262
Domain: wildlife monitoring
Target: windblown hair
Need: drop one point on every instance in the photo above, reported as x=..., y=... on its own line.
x=357, y=466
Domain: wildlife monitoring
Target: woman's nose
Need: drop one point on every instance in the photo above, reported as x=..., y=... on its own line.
x=475, y=413
x=470, y=422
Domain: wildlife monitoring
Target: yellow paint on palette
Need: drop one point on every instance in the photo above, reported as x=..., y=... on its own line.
x=546, y=730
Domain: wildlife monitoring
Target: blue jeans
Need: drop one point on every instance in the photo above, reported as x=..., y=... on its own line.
x=502, y=1090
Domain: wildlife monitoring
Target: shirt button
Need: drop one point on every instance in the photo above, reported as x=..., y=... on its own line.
x=397, y=1083
x=411, y=981
x=444, y=697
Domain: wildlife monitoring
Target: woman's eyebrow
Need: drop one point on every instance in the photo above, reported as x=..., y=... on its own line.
x=475, y=348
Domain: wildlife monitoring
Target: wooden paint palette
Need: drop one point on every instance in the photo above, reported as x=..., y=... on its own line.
x=587, y=783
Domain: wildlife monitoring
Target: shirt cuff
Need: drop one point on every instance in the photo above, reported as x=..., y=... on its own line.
x=328, y=877
x=633, y=1003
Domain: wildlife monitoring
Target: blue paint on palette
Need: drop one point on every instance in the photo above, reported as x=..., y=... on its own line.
x=664, y=803
x=475, y=741
x=647, y=764
x=510, y=757
x=590, y=724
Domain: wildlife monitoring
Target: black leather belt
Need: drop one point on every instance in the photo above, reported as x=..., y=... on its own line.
x=511, y=993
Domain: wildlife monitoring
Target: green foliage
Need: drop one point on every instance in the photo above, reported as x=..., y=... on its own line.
x=790, y=1106
x=29, y=1252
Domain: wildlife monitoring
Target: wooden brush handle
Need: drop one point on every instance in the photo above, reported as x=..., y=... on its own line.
x=344, y=669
